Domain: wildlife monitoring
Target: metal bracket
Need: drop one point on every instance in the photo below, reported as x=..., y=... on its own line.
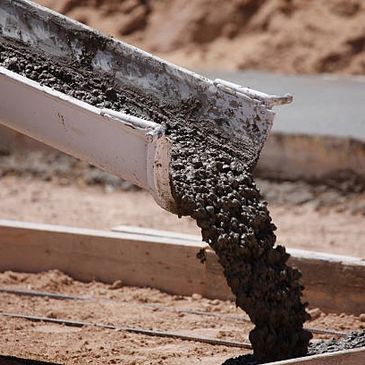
x=268, y=100
x=154, y=130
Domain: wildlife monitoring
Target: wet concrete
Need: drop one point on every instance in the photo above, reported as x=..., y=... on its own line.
x=212, y=182
x=80, y=83
x=214, y=185
x=355, y=339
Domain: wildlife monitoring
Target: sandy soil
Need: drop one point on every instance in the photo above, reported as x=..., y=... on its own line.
x=126, y=306
x=291, y=36
x=101, y=207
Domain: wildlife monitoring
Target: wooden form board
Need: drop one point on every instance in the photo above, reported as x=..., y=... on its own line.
x=87, y=254
x=347, y=357
x=333, y=283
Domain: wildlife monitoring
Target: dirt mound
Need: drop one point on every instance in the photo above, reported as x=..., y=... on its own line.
x=295, y=36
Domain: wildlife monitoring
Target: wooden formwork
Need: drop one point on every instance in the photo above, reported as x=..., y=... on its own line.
x=167, y=261
x=348, y=357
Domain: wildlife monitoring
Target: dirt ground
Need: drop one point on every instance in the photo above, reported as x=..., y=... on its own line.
x=126, y=306
x=290, y=36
